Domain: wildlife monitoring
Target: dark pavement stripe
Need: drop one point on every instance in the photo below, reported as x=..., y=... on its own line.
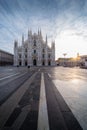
x=60, y=116
x=13, y=117
x=9, y=88
x=8, y=107
x=31, y=97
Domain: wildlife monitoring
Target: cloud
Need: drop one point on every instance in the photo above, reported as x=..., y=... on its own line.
x=53, y=16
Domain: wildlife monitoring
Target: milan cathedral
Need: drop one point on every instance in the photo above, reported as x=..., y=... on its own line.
x=34, y=51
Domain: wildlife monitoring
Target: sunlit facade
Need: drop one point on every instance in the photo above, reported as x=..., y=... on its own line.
x=69, y=62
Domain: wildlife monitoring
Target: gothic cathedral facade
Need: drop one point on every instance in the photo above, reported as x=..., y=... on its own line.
x=34, y=51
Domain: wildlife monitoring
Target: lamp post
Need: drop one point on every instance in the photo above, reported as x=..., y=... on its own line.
x=64, y=54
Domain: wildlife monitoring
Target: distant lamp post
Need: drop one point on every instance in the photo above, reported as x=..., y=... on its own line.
x=64, y=54
x=78, y=59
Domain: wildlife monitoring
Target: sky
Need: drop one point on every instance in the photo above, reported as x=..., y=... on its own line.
x=64, y=21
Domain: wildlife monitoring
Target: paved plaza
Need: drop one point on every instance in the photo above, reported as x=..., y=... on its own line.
x=43, y=98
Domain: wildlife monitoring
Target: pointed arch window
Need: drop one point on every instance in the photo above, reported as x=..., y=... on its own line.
x=49, y=56
x=26, y=50
x=34, y=42
x=19, y=55
x=34, y=51
x=43, y=50
x=43, y=55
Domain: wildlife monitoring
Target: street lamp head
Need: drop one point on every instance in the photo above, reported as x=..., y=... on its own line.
x=64, y=54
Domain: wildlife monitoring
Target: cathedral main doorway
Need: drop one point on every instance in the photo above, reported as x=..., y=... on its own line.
x=34, y=62
x=25, y=63
x=19, y=63
x=49, y=63
x=43, y=63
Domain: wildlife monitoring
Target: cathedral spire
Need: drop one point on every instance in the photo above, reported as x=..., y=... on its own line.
x=38, y=32
x=53, y=44
x=16, y=43
x=22, y=38
x=46, y=39
x=29, y=32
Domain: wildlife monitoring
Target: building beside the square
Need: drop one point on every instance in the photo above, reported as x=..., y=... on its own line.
x=83, y=60
x=67, y=62
x=5, y=58
x=34, y=51
x=80, y=60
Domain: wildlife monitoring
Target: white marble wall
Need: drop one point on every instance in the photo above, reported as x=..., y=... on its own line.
x=40, y=44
